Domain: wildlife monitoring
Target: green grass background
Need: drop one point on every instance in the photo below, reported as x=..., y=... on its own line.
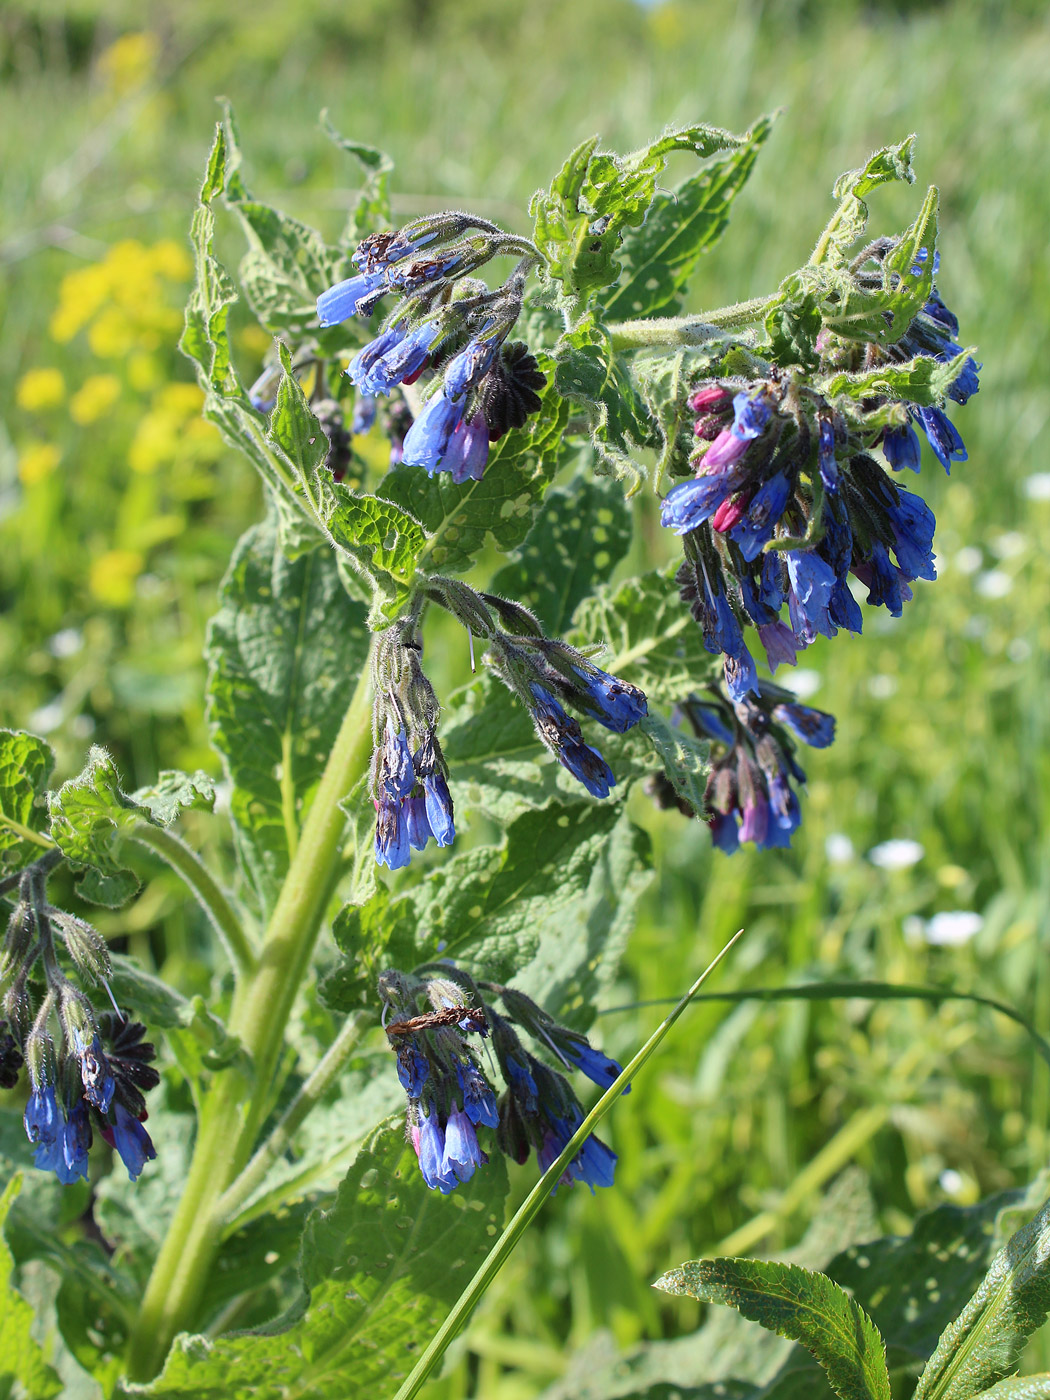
x=746, y=1113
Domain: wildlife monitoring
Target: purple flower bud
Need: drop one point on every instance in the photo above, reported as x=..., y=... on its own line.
x=829, y=470
x=438, y=801
x=942, y=436
x=392, y=847
x=364, y=414
x=726, y=450
x=469, y=366
x=688, y=504
x=416, y=823
x=913, y=525
x=462, y=1155
x=812, y=584
x=814, y=727
x=413, y=1068
x=131, y=1141
x=741, y=676
x=431, y=1150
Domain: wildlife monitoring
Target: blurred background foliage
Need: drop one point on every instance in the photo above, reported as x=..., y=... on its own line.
x=119, y=508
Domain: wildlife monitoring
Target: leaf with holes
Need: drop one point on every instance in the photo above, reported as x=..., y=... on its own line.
x=580, y=535
x=986, y=1341
x=380, y=1271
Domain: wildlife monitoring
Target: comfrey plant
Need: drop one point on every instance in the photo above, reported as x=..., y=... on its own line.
x=526, y=420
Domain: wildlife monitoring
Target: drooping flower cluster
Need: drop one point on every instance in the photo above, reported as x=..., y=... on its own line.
x=95, y=1076
x=450, y=1097
x=787, y=504
x=546, y=674
x=447, y=322
x=749, y=795
x=409, y=778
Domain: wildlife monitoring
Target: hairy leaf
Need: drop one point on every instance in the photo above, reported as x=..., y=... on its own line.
x=985, y=1342
x=850, y=219
x=381, y=1270
x=371, y=210
x=596, y=195
x=504, y=910
x=503, y=504
x=683, y=757
x=923, y=380
x=651, y=637
x=288, y=265
x=21, y=1360
x=590, y=371
x=176, y=792
x=660, y=257
x=284, y=652
x=914, y=1285
x=90, y=820
x=25, y=767
x=580, y=535
x=799, y=1304
x=200, y=1039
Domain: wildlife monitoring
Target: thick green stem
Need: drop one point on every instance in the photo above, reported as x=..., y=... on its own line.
x=234, y=1108
x=210, y=894
x=687, y=330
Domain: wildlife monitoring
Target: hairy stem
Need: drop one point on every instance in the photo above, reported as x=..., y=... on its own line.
x=236, y=1104
x=212, y=898
x=687, y=330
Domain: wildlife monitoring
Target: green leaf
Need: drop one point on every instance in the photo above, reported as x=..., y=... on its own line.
x=683, y=757
x=288, y=265
x=176, y=792
x=915, y=1285
x=372, y=208
x=580, y=535
x=796, y=1303
x=590, y=371
x=284, y=650
x=923, y=380
x=986, y=1341
x=505, y=910
x=850, y=219
x=381, y=1269
x=25, y=767
x=377, y=540
x=651, y=637
x=596, y=195
x=503, y=504
x=885, y=314
x=90, y=821
x=660, y=257
x=1020, y=1388
x=21, y=1360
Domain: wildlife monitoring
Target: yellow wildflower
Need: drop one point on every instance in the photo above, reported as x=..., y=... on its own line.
x=39, y=389
x=113, y=574
x=37, y=461
x=129, y=62
x=95, y=397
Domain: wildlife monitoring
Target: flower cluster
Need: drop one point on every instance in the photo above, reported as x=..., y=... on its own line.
x=450, y=1097
x=95, y=1077
x=787, y=503
x=446, y=322
x=546, y=674
x=409, y=780
x=749, y=794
